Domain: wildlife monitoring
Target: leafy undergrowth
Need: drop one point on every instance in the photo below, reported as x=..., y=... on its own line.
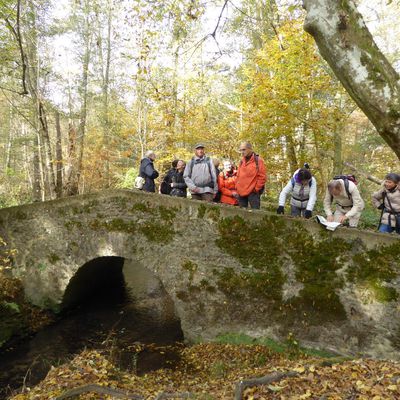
x=210, y=371
x=18, y=318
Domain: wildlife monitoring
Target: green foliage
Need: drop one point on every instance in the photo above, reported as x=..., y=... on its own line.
x=127, y=180
x=289, y=347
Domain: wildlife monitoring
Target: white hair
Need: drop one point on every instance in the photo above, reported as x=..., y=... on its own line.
x=149, y=153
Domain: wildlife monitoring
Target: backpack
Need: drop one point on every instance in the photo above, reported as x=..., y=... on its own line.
x=139, y=182
x=346, y=179
x=256, y=157
x=165, y=187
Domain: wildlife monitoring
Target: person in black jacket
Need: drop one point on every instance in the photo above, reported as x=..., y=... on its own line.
x=165, y=187
x=148, y=172
x=178, y=185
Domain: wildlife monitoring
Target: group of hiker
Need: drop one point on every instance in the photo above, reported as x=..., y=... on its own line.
x=242, y=186
x=202, y=177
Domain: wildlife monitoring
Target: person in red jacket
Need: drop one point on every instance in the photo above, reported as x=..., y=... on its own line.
x=251, y=177
x=227, y=184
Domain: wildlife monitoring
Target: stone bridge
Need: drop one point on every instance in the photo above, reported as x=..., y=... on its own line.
x=221, y=269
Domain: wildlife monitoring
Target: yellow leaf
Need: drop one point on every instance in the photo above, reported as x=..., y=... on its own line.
x=299, y=369
x=392, y=387
x=305, y=395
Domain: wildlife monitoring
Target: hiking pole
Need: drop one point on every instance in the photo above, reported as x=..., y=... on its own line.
x=380, y=219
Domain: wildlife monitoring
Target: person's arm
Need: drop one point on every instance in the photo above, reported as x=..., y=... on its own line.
x=327, y=204
x=214, y=177
x=180, y=185
x=189, y=183
x=313, y=195
x=261, y=175
x=150, y=172
x=377, y=198
x=283, y=194
x=358, y=202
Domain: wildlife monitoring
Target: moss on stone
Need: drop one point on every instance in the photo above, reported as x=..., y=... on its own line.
x=257, y=246
x=114, y=225
x=380, y=291
x=167, y=213
x=183, y=295
x=201, y=211
x=190, y=267
x=142, y=207
x=265, y=246
x=71, y=224
x=211, y=211
x=53, y=258
x=155, y=232
x=255, y=284
x=375, y=268
x=119, y=225
x=21, y=215
x=87, y=208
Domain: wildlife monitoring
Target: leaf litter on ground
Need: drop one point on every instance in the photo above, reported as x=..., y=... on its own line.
x=210, y=371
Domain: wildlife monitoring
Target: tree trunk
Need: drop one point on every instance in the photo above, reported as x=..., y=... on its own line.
x=84, y=97
x=105, y=65
x=291, y=152
x=71, y=186
x=47, y=145
x=347, y=45
x=37, y=186
x=337, y=152
x=59, y=162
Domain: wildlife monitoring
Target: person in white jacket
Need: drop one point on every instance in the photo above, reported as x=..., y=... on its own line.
x=344, y=194
x=303, y=190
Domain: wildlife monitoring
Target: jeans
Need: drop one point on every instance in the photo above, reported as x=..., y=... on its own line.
x=296, y=211
x=252, y=198
x=386, y=228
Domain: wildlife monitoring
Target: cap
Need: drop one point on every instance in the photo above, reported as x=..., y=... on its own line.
x=199, y=146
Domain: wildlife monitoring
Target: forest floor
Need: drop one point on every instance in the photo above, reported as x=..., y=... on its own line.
x=211, y=371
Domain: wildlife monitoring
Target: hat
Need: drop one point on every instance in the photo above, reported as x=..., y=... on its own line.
x=199, y=145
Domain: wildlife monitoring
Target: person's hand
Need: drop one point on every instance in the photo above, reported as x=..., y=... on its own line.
x=342, y=219
x=330, y=218
x=235, y=195
x=307, y=214
x=195, y=190
x=172, y=184
x=381, y=206
x=280, y=210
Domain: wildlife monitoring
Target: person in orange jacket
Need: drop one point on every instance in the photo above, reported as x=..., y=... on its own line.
x=227, y=184
x=251, y=177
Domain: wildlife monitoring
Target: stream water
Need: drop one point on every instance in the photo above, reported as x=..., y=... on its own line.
x=108, y=317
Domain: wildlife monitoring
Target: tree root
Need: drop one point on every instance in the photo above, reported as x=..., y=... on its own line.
x=265, y=380
x=118, y=393
x=165, y=395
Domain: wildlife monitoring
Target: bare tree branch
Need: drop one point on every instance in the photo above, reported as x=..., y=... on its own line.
x=165, y=395
x=94, y=388
x=219, y=19
x=18, y=37
x=364, y=174
x=265, y=380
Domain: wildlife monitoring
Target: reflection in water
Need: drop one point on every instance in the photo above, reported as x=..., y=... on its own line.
x=104, y=309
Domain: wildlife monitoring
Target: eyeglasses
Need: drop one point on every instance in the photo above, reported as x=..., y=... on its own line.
x=242, y=150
